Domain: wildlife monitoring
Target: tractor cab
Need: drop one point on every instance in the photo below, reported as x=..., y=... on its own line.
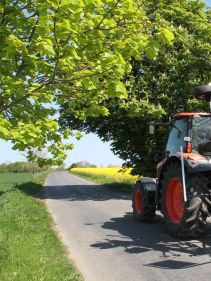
x=192, y=131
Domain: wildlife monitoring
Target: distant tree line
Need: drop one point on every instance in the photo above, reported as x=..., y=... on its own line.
x=21, y=167
x=82, y=164
x=86, y=164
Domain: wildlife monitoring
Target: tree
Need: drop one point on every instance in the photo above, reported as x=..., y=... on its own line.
x=156, y=88
x=21, y=167
x=3, y=168
x=65, y=51
x=82, y=164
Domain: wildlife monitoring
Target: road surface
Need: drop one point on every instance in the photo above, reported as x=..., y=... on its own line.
x=106, y=244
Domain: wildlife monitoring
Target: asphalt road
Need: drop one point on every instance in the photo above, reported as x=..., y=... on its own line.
x=106, y=244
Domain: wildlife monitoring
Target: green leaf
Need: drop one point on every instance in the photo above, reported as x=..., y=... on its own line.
x=95, y=110
x=74, y=5
x=117, y=89
x=4, y=132
x=152, y=49
x=121, y=90
x=4, y=123
x=45, y=47
x=108, y=59
x=78, y=135
x=88, y=83
x=14, y=41
x=166, y=36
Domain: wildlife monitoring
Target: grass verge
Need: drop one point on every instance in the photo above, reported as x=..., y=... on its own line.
x=125, y=187
x=29, y=248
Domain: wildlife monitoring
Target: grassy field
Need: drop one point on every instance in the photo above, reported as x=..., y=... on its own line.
x=29, y=248
x=112, y=177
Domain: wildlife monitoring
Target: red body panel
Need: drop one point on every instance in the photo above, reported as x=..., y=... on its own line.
x=184, y=114
x=189, y=156
x=192, y=156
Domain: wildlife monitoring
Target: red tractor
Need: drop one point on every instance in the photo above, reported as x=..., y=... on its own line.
x=182, y=190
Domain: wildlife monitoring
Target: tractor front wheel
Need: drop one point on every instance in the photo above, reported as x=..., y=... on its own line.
x=183, y=219
x=141, y=211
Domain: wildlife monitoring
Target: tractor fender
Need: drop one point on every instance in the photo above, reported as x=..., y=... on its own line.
x=194, y=163
x=165, y=163
x=198, y=166
x=161, y=167
x=148, y=184
x=149, y=187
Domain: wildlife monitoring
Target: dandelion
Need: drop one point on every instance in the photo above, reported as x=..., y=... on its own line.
x=35, y=218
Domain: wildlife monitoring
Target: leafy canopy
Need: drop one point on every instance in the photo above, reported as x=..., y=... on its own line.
x=72, y=52
x=156, y=88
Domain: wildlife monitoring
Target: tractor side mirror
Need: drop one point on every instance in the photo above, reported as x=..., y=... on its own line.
x=152, y=128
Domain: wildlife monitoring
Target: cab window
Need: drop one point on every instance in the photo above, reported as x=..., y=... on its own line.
x=178, y=131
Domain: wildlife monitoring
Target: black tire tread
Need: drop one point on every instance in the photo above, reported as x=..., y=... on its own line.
x=148, y=213
x=196, y=207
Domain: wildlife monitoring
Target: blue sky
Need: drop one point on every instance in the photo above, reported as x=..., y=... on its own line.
x=89, y=148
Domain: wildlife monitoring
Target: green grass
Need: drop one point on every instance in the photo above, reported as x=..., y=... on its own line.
x=29, y=247
x=105, y=181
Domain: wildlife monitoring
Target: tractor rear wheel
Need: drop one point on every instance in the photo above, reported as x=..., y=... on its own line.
x=140, y=210
x=183, y=219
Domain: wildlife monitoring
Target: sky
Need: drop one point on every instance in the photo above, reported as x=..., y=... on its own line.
x=90, y=148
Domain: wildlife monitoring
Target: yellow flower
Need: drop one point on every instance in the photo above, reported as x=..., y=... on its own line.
x=35, y=218
x=111, y=174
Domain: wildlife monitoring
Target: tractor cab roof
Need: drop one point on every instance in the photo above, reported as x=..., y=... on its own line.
x=187, y=114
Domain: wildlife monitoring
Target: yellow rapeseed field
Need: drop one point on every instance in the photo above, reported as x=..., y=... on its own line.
x=109, y=174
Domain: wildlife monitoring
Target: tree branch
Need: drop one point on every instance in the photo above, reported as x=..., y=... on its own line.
x=57, y=44
x=4, y=12
x=104, y=17
x=21, y=67
x=85, y=76
x=29, y=94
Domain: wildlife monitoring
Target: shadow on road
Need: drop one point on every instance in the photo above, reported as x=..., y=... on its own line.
x=137, y=238
x=85, y=192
